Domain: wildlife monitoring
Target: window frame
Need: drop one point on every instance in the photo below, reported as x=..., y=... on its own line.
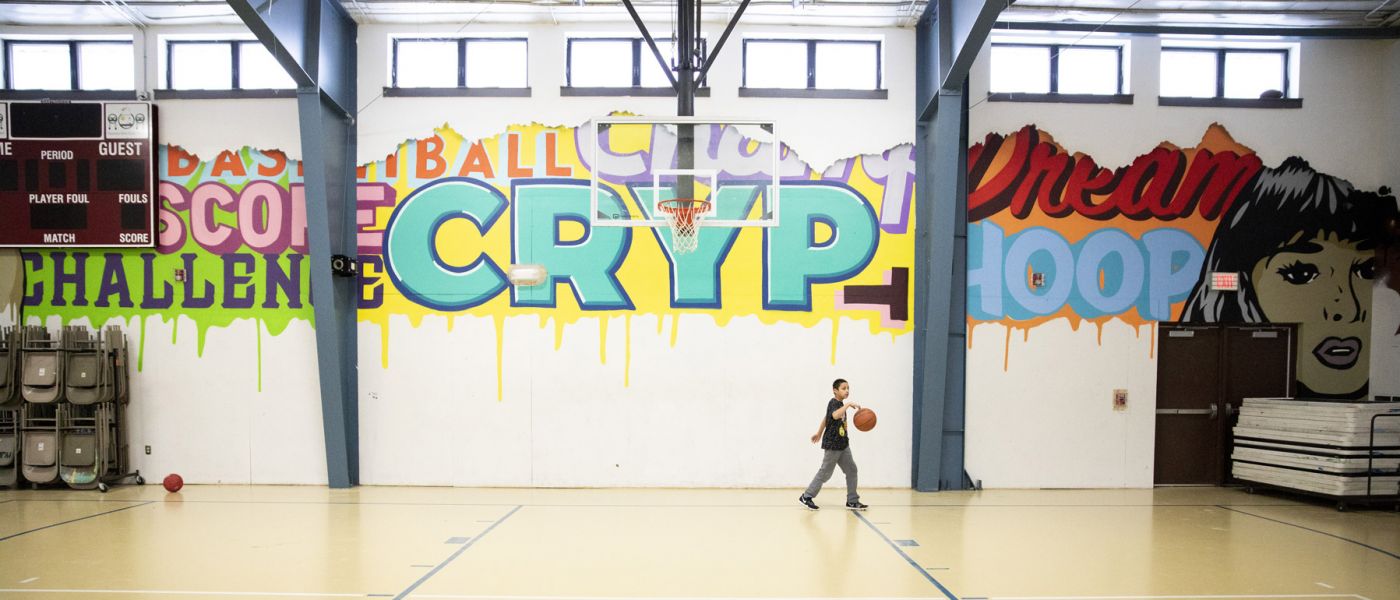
x=640, y=51
x=168, y=92
x=879, y=92
x=1054, y=95
x=74, y=91
x=1289, y=100
x=461, y=89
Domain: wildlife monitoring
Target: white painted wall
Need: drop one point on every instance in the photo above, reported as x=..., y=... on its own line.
x=1045, y=419
x=1385, y=329
x=566, y=419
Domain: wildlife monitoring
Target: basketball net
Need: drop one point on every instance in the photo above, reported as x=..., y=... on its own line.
x=683, y=217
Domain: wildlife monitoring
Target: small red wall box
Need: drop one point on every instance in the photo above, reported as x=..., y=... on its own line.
x=1225, y=282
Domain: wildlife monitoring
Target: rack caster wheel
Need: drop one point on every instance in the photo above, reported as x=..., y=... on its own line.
x=102, y=487
x=140, y=480
x=1341, y=507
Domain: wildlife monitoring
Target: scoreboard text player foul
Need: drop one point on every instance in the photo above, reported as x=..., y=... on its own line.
x=77, y=174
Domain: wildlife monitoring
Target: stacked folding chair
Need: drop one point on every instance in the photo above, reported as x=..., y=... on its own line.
x=41, y=388
x=9, y=407
x=87, y=388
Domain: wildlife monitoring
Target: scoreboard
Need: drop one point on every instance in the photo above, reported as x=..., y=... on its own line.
x=77, y=174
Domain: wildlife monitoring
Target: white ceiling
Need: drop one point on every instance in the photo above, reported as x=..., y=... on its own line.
x=1351, y=14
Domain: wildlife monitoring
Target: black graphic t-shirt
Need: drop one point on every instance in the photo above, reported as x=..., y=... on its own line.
x=834, y=437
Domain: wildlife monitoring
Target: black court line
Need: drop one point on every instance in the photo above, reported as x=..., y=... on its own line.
x=74, y=520
x=906, y=557
x=1331, y=535
x=454, y=555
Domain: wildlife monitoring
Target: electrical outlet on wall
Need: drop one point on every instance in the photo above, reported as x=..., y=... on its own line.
x=148, y=449
x=1120, y=399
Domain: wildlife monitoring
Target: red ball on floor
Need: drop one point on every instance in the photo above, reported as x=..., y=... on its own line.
x=173, y=483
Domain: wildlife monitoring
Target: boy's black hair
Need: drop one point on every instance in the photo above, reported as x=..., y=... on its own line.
x=837, y=383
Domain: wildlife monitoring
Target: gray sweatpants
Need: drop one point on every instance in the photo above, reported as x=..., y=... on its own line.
x=831, y=458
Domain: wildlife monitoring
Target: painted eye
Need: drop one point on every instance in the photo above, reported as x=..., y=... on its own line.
x=1365, y=269
x=1298, y=273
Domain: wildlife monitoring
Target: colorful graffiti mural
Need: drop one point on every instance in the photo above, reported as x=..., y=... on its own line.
x=1053, y=235
x=442, y=217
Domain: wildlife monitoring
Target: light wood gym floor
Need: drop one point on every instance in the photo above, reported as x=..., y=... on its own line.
x=312, y=542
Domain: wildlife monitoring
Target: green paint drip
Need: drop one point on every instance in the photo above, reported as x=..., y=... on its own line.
x=141, y=345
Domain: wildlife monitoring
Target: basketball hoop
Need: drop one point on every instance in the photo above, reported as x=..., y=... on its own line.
x=681, y=215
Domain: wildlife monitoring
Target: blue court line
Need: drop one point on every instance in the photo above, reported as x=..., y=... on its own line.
x=454, y=556
x=75, y=520
x=1367, y=546
x=911, y=562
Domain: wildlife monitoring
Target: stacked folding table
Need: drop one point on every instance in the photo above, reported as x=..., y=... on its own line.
x=1345, y=451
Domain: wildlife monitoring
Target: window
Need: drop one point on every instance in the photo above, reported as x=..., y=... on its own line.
x=1050, y=72
x=495, y=66
x=621, y=65
x=1245, y=77
x=69, y=65
x=813, y=68
x=219, y=68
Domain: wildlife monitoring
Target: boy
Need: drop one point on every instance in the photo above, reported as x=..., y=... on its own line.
x=836, y=445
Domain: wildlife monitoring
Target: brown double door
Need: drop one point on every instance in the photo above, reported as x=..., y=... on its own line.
x=1204, y=372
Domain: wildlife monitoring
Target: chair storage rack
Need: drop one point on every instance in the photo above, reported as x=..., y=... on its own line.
x=63, y=406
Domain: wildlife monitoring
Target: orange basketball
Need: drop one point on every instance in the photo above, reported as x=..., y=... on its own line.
x=865, y=419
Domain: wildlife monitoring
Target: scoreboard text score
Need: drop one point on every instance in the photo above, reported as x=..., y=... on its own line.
x=77, y=174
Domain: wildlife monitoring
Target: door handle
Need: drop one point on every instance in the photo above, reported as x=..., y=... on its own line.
x=1213, y=411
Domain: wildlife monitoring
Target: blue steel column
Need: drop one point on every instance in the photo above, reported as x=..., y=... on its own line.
x=949, y=36
x=314, y=40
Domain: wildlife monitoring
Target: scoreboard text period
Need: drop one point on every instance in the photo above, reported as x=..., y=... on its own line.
x=77, y=174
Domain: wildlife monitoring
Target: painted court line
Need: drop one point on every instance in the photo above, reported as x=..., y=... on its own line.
x=1179, y=597
x=906, y=557
x=15, y=535
x=1367, y=546
x=454, y=555
x=776, y=505
x=187, y=593
x=500, y=597
x=664, y=597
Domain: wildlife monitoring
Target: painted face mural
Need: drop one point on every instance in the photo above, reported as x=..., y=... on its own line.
x=1055, y=236
x=1304, y=243
x=442, y=217
x=1324, y=284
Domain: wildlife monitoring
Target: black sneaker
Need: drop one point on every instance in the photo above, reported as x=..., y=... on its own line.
x=856, y=506
x=807, y=502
